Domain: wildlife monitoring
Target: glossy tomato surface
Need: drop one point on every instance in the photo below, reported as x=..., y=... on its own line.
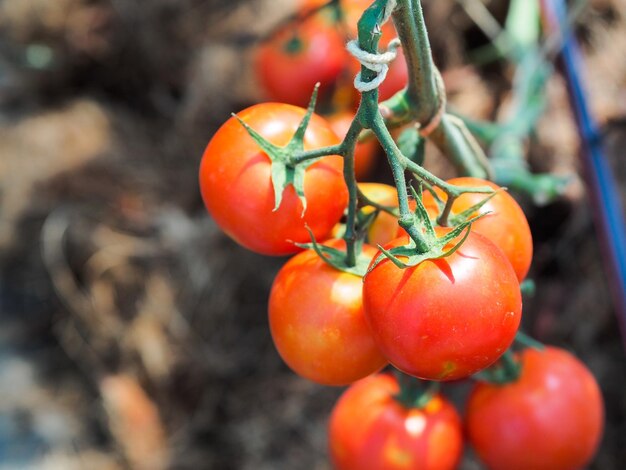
x=551, y=418
x=236, y=185
x=317, y=321
x=370, y=430
x=447, y=318
x=364, y=153
x=297, y=57
x=506, y=226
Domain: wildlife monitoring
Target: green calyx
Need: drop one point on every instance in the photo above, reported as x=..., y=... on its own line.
x=424, y=244
x=414, y=392
x=507, y=370
x=337, y=258
x=284, y=171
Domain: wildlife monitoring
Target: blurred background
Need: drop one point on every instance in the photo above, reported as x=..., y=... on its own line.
x=133, y=333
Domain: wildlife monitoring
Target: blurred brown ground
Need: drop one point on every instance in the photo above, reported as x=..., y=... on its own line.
x=133, y=334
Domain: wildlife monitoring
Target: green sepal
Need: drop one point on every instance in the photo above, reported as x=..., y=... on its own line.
x=528, y=287
x=336, y=257
x=506, y=370
x=467, y=213
x=412, y=145
x=528, y=342
x=283, y=172
x=421, y=214
x=437, y=247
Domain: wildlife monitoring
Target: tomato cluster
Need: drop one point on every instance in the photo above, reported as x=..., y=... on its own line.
x=312, y=50
x=443, y=317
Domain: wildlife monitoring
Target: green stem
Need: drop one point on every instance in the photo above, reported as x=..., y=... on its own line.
x=414, y=392
x=397, y=161
x=528, y=341
x=422, y=91
x=348, y=146
x=305, y=155
x=365, y=201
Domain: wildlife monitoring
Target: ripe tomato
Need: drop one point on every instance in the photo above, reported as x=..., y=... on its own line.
x=447, y=318
x=364, y=153
x=550, y=418
x=236, y=185
x=317, y=322
x=384, y=228
x=297, y=57
x=370, y=430
x=507, y=226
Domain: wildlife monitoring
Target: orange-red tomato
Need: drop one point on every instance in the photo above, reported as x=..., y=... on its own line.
x=364, y=153
x=551, y=418
x=384, y=228
x=235, y=182
x=506, y=226
x=297, y=57
x=317, y=322
x=447, y=318
x=370, y=430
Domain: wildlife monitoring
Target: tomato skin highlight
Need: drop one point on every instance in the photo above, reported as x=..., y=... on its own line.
x=288, y=73
x=235, y=182
x=448, y=318
x=317, y=322
x=551, y=418
x=370, y=430
x=506, y=226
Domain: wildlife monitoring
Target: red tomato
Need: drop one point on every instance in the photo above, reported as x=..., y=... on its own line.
x=447, y=318
x=507, y=226
x=317, y=321
x=364, y=153
x=237, y=190
x=297, y=57
x=550, y=418
x=370, y=430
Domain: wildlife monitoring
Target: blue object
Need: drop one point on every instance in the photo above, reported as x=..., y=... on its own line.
x=603, y=190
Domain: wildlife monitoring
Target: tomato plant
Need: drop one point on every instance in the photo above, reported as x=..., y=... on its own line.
x=506, y=225
x=438, y=304
x=235, y=182
x=365, y=153
x=550, y=418
x=370, y=429
x=297, y=57
x=446, y=318
x=317, y=321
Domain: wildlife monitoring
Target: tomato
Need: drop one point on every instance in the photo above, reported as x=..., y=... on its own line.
x=365, y=153
x=236, y=185
x=370, y=430
x=446, y=318
x=384, y=228
x=507, y=226
x=297, y=57
x=317, y=322
x=550, y=418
